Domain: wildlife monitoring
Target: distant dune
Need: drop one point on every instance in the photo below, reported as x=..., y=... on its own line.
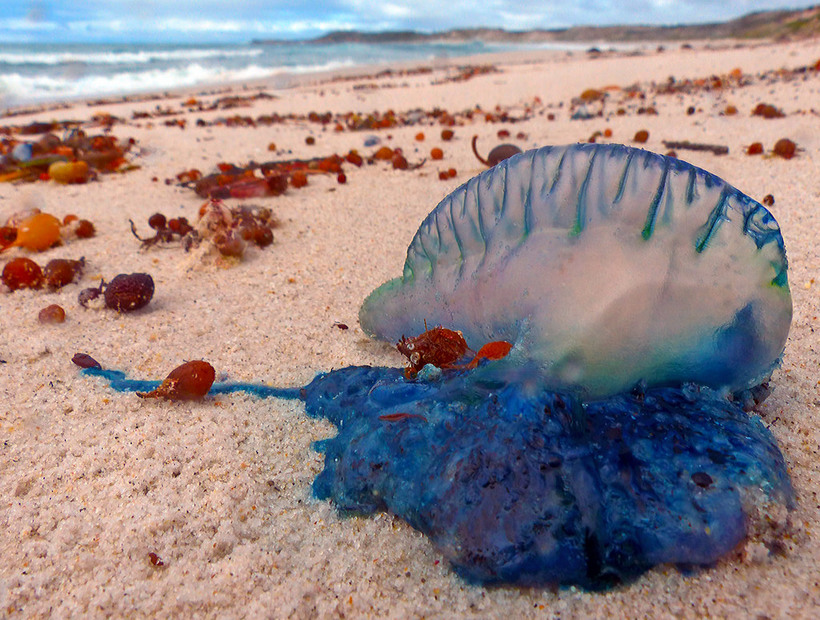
x=780, y=25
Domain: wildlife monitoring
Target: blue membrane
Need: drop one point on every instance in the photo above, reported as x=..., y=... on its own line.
x=517, y=484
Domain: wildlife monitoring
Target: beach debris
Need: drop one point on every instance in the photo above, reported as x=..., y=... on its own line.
x=447, y=134
x=68, y=171
x=51, y=314
x=439, y=346
x=468, y=72
x=155, y=560
x=22, y=272
x=83, y=229
x=497, y=155
x=767, y=111
x=444, y=348
x=89, y=297
x=495, y=350
x=189, y=381
x=167, y=230
x=37, y=233
x=768, y=200
x=582, y=113
x=129, y=292
x=76, y=158
x=354, y=158
x=755, y=148
x=685, y=145
x=83, y=360
x=59, y=272
x=232, y=181
x=445, y=175
x=227, y=229
x=641, y=136
x=785, y=148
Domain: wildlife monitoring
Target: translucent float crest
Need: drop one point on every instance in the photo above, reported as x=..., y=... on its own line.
x=605, y=265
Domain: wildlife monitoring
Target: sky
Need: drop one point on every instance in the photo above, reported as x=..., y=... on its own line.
x=197, y=21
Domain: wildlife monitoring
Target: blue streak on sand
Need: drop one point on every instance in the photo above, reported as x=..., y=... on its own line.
x=523, y=485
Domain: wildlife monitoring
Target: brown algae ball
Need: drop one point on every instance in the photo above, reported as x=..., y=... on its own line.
x=641, y=136
x=129, y=292
x=22, y=272
x=190, y=381
x=51, y=314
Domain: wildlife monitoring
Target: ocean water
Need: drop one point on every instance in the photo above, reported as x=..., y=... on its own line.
x=39, y=73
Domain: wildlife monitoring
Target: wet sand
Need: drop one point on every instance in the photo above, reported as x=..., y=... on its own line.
x=93, y=481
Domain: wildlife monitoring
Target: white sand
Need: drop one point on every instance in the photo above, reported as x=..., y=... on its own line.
x=92, y=481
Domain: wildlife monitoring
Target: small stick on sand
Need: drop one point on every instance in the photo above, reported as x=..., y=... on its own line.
x=685, y=145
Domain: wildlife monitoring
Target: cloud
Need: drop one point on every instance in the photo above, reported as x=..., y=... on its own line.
x=244, y=19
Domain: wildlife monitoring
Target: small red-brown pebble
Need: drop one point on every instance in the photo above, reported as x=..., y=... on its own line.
x=452, y=172
x=354, y=158
x=785, y=148
x=607, y=133
x=155, y=559
x=154, y=180
x=641, y=136
x=85, y=229
x=730, y=110
x=436, y=153
x=420, y=136
x=157, y=221
x=341, y=179
x=8, y=235
x=51, y=314
x=384, y=153
x=262, y=236
x=129, y=292
x=399, y=162
x=768, y=200
x=550, y=116
x=503, y=133
x=84, y=360
x=61, y=271
x=69, y=218
x=22, y=272
x=190, y=381
x=447, y=134
x=341, y=326
x=767, y=111
x=310, y=140
x=443, y=175
x=272, y=146
x=755, y=148
x=298, y=179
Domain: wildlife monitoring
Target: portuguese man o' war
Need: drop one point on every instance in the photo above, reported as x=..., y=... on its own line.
x=606, y=265
x=647, y=302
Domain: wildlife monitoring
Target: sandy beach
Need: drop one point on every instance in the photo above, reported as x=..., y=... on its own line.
x=93, y=481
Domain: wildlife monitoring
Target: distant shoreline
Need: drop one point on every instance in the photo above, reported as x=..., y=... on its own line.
x=777, y=24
